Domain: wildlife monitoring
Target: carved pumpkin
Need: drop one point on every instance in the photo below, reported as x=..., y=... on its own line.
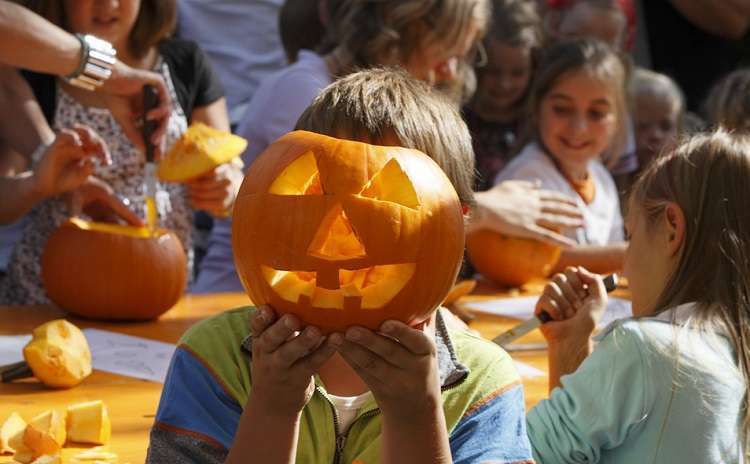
x=344, y=233
x=508, y=261
x=200, y=149
x=107, y=271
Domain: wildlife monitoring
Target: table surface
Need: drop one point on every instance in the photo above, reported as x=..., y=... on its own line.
x=132, y=403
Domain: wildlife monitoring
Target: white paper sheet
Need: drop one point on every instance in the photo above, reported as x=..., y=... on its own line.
x=527, y=371
x=137, y=357
x=523, y=308
x=11, y=347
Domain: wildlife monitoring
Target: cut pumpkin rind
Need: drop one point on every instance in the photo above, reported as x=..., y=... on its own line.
x=200, y=149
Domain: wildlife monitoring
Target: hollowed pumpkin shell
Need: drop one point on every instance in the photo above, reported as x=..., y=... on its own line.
x=106, y=271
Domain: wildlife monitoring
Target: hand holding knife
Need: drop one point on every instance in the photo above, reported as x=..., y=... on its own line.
x=610, y=284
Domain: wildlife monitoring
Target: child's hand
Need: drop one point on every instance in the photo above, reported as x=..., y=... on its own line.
x=522, y=209
x=69, y=161
x=576, y=301
x=285, y=358
x=399, y=364
x=215, y=192
x=96, y=199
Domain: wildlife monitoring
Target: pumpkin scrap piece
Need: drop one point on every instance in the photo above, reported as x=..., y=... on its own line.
x=200, y=149
x=48, y=459
x=12, y=426
x=89, y=423
x=58, y=354
x=100, y=454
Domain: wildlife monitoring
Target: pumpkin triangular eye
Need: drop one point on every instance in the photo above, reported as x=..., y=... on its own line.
x=298, y=178
x=392, y=184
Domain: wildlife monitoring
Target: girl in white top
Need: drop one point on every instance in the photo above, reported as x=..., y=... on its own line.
x=577, y=111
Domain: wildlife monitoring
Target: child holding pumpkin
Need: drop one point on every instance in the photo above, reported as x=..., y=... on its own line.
x=139, y=30
x=670, y=385
x=279, y=391
x=578, y=111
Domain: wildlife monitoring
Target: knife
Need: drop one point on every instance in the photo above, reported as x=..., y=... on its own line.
x=150, y=101
x=610, y=283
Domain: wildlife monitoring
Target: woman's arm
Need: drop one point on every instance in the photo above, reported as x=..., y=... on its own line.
x=28, y=128
x=214, y=114
x=603, y=259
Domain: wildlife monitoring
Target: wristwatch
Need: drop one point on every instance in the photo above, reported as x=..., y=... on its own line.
x=97, y=59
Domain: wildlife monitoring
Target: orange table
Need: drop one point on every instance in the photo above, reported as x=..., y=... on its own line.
x=132, y=403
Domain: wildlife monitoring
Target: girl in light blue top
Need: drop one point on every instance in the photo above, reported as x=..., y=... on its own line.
x=671, y=384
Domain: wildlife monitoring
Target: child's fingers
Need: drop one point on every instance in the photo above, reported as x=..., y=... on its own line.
x=367, y=365
x=298, y=347
x=549, y=236
x=551, y=196
x=92, y=143
x=278, y=333
x=547, y=305
x=593, y=281
x=577, y=288
x=260, y=320
x=413, y=340
x=554, y=293
x=388, y=349
x=312, y=363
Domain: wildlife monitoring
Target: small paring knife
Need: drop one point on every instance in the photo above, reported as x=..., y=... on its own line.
x=610, y=283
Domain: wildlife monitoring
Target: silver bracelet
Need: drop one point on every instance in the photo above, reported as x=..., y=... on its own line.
x=97, y=59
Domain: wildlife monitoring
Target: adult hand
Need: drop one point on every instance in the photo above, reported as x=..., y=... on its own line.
x=398, y=364
x=69, y=161
x=522, y=209
x=285, y=358
x=96, y=199
x=576, y=300
x=123, y=96
x=216, y=191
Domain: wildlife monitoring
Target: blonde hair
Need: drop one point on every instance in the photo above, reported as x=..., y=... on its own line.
x=728, y=103
x=369, y=105
x=706, y=176
x=390, y=31
x=656, y=85
x=593, y=57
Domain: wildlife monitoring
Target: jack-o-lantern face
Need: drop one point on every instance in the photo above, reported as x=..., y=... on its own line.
x=344, y=233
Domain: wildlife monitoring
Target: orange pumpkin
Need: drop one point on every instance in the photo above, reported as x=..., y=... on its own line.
x=344, y=233
x=107, y=271
x=509, y=261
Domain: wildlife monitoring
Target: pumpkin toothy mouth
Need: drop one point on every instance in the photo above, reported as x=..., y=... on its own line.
x=368, y=288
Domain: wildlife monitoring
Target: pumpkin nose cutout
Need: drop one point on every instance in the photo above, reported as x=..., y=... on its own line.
x=335, y=239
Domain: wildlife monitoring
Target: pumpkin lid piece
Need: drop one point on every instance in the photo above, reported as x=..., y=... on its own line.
x=200, y=149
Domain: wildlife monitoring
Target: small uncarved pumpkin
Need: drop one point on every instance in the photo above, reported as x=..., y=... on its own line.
x=510, y=262
x=344, y=233
x=106, y=271
x=200, y=149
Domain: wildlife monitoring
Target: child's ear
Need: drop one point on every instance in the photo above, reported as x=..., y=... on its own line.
x=675, y=228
